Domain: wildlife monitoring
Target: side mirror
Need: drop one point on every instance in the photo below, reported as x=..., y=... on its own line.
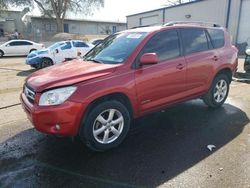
x=149, y=59
x=57, y=51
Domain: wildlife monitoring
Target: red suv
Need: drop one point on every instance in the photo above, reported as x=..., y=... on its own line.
x=129, y=74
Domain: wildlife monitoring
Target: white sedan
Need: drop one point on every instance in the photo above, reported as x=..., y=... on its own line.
x=19, y=47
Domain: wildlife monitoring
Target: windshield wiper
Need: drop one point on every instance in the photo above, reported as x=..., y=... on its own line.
x=95, y=60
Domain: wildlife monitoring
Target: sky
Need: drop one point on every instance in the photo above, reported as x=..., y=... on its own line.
x=117, y=10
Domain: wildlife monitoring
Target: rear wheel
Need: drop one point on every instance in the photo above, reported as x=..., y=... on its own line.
x=44, y=63
x=106, y=126
x=1, y=53
x=218, y=92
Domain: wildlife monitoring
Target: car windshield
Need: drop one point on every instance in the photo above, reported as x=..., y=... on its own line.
x=56, y=45
x=116, y=48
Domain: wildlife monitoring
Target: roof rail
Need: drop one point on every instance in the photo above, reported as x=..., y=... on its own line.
x=140, y=26
x=209, y=24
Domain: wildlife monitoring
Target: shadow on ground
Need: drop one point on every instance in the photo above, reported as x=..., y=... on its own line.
x=159, y=147
x=25, y=72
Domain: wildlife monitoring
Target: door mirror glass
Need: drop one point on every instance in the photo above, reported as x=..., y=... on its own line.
x=149, y=59
x=57, y=51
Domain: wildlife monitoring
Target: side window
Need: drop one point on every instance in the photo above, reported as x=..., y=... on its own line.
x=217, y=37
x=194, y=40
x=165, y=44
x=17, y=43
x=79, y=44
x=66, y=46
x=25, y=43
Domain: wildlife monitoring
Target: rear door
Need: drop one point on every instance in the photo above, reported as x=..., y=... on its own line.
x=200, y=57
x=165, y=82
x=81, y=47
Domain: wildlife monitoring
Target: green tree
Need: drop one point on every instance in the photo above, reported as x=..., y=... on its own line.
x=56, y=9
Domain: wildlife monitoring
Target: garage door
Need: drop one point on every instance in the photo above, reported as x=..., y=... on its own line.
x=150, y=20
x=244, y=26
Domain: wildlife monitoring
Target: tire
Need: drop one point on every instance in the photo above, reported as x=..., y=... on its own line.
x=107, y=135
x=247, y=68
x=218, y=92
x=1, y=53
x=45, y=63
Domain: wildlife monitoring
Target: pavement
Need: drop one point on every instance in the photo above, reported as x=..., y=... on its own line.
x=164, y=149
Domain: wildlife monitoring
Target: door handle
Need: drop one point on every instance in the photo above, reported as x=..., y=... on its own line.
x=215, y=58
x=180, y=66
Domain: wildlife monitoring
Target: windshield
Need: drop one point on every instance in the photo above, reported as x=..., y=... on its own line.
x=56, y=45
x=116, y=48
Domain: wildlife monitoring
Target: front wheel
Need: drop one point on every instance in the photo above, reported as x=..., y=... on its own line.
x=44, y=63
x=218, y=92
x=106, y=126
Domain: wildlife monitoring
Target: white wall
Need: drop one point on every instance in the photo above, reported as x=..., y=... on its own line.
x=208, y=11
x=134, y=21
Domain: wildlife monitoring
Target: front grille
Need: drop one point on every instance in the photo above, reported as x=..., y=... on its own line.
x=29, y=93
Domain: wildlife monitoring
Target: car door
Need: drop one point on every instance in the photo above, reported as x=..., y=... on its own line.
x=63, y=52
x=12, y=48
x=165, y=82
x=200, y=57
x=81, y=47
x=26, y=47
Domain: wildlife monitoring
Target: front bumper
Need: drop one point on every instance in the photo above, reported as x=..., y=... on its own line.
x=33, y=61
x=67, y=115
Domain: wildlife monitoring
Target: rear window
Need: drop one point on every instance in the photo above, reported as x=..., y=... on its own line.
x=217, y=37
x=194, y=40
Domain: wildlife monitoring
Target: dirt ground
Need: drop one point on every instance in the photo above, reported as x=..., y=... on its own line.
x=163, y=149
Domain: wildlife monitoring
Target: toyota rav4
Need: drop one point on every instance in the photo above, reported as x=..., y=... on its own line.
x=129, y=74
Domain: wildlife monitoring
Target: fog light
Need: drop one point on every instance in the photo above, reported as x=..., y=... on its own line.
x=58, y=127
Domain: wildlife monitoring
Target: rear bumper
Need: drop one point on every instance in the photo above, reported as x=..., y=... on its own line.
x=67, y=115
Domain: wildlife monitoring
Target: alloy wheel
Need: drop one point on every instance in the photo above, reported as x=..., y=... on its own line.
x=220, y=91
x=108, y=126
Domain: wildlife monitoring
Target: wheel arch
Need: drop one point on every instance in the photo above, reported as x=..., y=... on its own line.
x=227, y=71
x=2, y=51
x=119, y=96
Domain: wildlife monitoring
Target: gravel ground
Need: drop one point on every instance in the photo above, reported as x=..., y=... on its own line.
x=164, y=149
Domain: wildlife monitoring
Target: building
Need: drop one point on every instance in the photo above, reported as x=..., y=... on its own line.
x=11, y=21
x=46, y=27
x=43, y=28
x=232, y=14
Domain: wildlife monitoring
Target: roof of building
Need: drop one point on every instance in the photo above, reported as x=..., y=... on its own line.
x=168, y=7
x=81, y=20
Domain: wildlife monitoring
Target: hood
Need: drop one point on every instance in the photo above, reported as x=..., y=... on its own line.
x=37, y=52
x=67, y=74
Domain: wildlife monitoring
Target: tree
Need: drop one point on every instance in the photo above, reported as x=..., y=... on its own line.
x=176, y=2
x=56, y=9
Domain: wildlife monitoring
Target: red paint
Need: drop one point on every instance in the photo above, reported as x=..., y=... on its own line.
x=148, y=87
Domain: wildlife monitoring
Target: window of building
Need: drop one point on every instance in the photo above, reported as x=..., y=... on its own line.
x=194, y=40
x=165, y=44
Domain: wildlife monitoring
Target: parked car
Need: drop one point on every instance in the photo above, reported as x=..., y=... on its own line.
x=19, y=47
x=57, y=53
x=131, y=73
x=247, y=61
x=96, y=41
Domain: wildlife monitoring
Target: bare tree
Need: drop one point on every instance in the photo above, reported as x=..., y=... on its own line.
x=56, y=9
x=176, y=2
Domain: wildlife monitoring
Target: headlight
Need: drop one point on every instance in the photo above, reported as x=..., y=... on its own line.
x=56, y=96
